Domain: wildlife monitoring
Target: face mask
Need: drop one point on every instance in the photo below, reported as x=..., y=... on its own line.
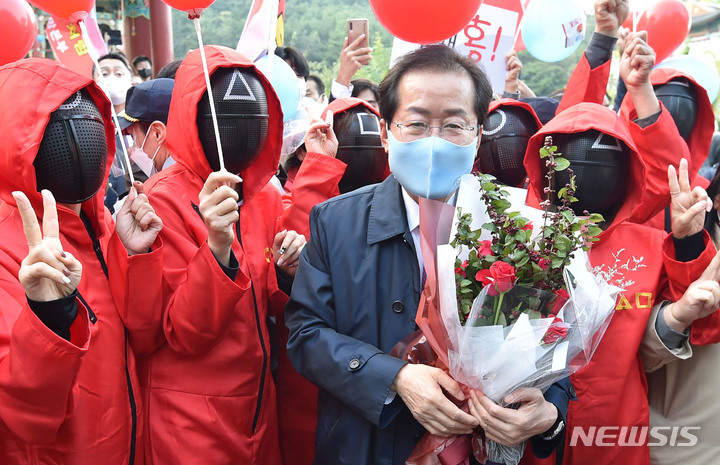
x=430, y=167
x=142, y=160
x=302, y=87
x=115, y=89
x=144, y=73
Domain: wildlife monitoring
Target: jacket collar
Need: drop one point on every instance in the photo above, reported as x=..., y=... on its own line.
x=387, y=212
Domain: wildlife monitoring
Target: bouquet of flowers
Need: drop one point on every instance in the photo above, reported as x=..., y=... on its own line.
x=506, y=303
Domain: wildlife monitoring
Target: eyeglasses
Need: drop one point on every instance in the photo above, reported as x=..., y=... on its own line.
x=455, y=132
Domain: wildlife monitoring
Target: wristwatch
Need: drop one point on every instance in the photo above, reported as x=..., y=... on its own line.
x=555, y=429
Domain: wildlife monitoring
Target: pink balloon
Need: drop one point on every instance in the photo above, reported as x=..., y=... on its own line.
x=426, y=21
x=72, y=10
x=17, y=22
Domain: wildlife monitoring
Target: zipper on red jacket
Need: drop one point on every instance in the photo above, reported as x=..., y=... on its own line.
x=133, y=405
x=262, y=342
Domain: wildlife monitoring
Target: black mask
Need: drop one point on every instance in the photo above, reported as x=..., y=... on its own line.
x=600, y=163
x=242, y=113
x=72, y=158
x=145, y=73
x=360, y=147
x=504, y=141
x=680, y=99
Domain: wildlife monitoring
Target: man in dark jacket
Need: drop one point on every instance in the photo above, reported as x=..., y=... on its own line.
x=359, y=279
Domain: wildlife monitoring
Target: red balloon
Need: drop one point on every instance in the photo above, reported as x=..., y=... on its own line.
x=424, y=21
x=667, y=23
x=17, y=22
x=71, y=10
x=192, y=7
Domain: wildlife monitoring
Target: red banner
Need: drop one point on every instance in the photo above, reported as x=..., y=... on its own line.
x=70, y=47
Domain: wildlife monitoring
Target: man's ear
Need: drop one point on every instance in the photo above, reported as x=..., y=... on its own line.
x=301, y=152
x=477, y=146
x=158, y=130
x=384, y=135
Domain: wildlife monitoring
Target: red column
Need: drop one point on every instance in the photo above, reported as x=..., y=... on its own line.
x=138, y=43
x=162, y=34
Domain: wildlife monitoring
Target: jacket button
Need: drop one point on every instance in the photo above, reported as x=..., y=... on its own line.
x=398, y=306
x=354, y=364
x=572, y=391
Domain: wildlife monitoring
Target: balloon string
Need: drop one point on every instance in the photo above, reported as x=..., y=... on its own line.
x=636, y=16
x=94, y=55
x=196, y=20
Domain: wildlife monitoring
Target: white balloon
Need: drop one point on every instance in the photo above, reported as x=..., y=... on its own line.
x=553, y=29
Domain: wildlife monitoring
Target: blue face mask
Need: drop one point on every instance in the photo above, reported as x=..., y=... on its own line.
x=430, y=167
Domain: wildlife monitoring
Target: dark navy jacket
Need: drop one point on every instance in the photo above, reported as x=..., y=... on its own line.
x=355, y=296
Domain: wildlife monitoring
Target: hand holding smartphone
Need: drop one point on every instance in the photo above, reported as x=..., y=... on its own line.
x=355, y=28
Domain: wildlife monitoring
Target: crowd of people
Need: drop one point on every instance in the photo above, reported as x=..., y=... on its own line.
x=230, y=292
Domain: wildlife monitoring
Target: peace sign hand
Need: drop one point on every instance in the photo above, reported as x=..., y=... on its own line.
x=701, y=299
x=687, y=206
x=47, y=273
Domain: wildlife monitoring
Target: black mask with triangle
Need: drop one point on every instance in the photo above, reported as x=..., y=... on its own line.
x=242, y=113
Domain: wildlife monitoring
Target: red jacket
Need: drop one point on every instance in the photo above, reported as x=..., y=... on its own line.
x=665, y=134
x=612, y=390
x=588, y=85
x=64, y=402
x=208, y=386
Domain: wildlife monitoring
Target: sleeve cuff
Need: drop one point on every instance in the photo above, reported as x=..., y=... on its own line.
x=230, y=271
x=512, y=95
x=58, y=315
x=340, y=91
x=599, y=49
x=670, y=338
x=648, y=120
x=689, y=248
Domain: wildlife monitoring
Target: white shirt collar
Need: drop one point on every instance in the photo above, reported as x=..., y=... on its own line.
x=412, y=210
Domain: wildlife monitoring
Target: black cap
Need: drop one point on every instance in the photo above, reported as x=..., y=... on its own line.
x=147, y=101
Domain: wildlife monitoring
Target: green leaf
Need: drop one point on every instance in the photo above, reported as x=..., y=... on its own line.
x=562, y=164
x=594, y=230
x=465, y=282
x=523, y=261
x=488, y=186
x=568, y=215
x=534, y=314
x=557, y=262
x=596, y=218
x=562, y=192
x=521, y=236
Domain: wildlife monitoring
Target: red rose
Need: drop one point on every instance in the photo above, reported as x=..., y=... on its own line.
x=460, y=270
x=528, y=226
x=556, y=331
x=543, y=263
x=503, y=275
x=485, y=248
x=562, y=296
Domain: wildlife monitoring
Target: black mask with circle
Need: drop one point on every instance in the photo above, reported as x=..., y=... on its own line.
x=505, y=136
x=600, y=163
x=680, y=99
x=242, y=114
x=72, y=159
x=359, y=146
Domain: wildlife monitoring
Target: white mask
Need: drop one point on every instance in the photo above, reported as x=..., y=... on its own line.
x=115, y=88
x=142, y=160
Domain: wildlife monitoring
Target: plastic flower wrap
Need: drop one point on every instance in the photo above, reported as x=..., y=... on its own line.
x=510, y=300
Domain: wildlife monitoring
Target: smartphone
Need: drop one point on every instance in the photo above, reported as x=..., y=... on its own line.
x=356, y=27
